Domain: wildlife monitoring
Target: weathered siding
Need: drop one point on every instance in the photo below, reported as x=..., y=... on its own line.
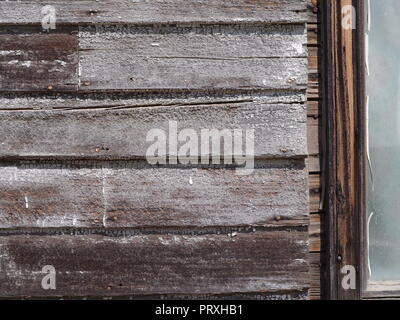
x=111, y=125
x=31, y=60
x=75, y=189
x=159, y=12
x=314, y=102
x=156, y=264
x=136, y=194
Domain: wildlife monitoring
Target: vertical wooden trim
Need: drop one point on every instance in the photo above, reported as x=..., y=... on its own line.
x=344, y=122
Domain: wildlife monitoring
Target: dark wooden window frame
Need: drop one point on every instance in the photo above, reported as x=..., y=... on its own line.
x=344, y=123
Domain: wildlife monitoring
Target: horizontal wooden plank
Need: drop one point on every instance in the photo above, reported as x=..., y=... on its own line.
x=135, y=194
x=83, y=101
x=281, y=295
x=117, y=129
x=313, y=89
x=314, y=109
x=154, y=58
x=156, y=11
x=202, y=58
x=314, y=73
x=155, y=264
x=262, y=296
x=38, y=62
x=313, y=34
x=313, y=59
x=202, y=42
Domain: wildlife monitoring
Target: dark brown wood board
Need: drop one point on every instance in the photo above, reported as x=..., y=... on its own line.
x=136, y=194
x=345, y=125
x=94, y=265
x=37, y=61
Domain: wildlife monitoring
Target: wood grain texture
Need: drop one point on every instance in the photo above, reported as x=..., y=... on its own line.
x=117, y=129
x=154, y=58
x=202, y=42
x=123, y=100
x=38, y=62
x=156, y=11
x=313, y=128
x=202, y=58
x=131, y=194
x=155, y=264
x=278, y=295
x=315, y=192
x=123, y=228
x=315, y=231
x=344, y=117
x=317, y=269
x=316, y=171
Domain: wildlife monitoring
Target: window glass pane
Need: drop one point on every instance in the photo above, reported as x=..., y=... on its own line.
x=383, y=173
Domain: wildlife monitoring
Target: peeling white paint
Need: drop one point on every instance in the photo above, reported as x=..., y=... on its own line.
x=26, y=64
x=63, y=63
x=300, y=260
x=26, y=202
x=10, y=52
x=298, y=46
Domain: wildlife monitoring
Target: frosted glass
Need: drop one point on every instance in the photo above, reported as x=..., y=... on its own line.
x=383, y=90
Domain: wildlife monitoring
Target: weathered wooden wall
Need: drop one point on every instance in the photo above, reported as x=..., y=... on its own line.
x=314, y=103
x=75, y=189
